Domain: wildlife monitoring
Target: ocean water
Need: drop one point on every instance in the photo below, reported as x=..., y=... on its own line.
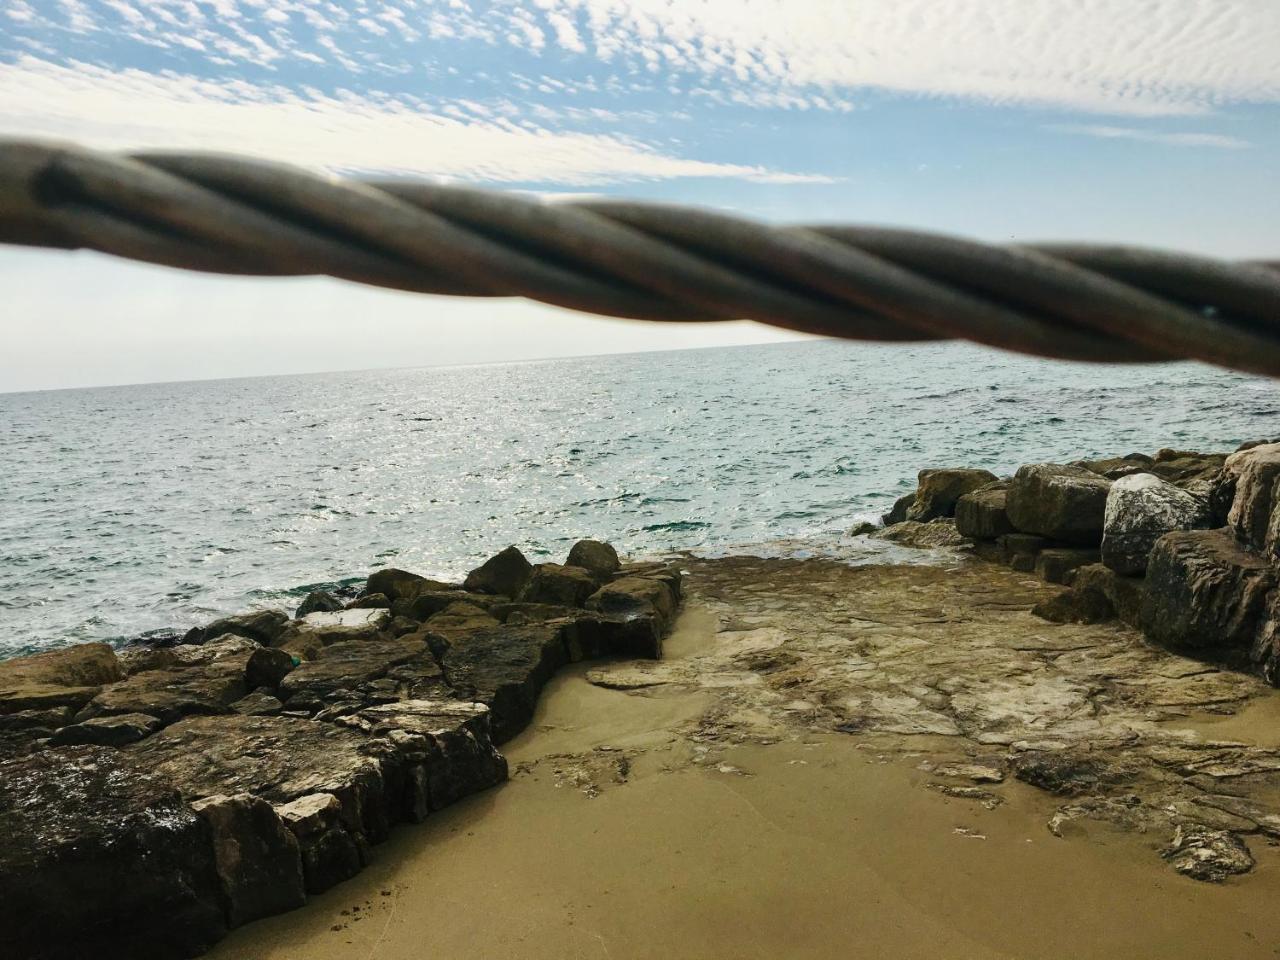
x=126, y=510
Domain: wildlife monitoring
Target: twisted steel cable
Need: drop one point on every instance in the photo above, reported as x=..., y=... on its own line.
x=231, y=214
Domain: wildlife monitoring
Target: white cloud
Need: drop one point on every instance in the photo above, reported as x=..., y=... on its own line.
x=349, y=131
x=1151, y=58
x=1152, y=136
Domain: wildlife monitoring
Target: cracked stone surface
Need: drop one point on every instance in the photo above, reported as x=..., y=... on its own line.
x=948, y=661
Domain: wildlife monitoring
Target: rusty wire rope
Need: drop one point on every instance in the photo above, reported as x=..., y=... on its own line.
x=231, y=214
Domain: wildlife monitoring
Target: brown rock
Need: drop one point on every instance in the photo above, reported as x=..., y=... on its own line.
x=939, y=490
x=596, y=557
x=981, y=514
x=552, y=583
x=505, y=573
x=1059, y=502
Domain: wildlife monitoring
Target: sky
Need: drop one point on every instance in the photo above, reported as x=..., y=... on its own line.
x=1138, y=121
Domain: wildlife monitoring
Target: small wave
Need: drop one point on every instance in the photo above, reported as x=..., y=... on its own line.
x=677, y=526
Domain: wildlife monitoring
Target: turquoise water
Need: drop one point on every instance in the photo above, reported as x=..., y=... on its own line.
x=125, y=510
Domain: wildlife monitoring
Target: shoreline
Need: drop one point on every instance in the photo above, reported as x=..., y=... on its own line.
x=1102, y=662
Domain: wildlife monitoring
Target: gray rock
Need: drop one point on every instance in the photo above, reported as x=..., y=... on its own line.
x=981, y=514
x=256, y=856
x=302, y=638
x=552, y=583
x=69, y=677
x=1113, y=468
x=863, y=529
x=594, y=556
x=1186, y=468
x=1054, y=564
x=329, y=854
x=430, y=602
x=112, y=731
x=261, y=625
x=258, y=704
x=898, y=512
x=504, y=573
x=634, y=596
x=1059, y=502
x=318, y=601
x=348, y=666
x=402, y=585
x=1256, y=473
x=505, y=668
x=1075, y=605
x=172, y=694
x=1142, y=508
x=912, y=533
x=102, y=858
x=370, y=601
x=1208, y=855
x=1205, y=594
x=1020, y=550
x=1126, y=594
x=939, y=490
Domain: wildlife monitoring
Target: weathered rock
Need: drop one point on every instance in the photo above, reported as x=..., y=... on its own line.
x=505, y=668
x=279, y=759
x=450, y=740
x=266, y=667
x=370, y=601
x=1208, y=855
x=636, y=597
x=981, y=514
x=596, y=557
x=1256, y=473
x=1054, y=564
x=401, y=585
x=262, y=625
x=939, y=490
x=1075, y=605
x=101, y=858
x=258, y=704
x=522, y=613
x=1205, y=593
x=318, y=601
x=863, y=528
x=1125, y=593
x=1069, y=773
x=112, y=731
x=172, y=694
x=1142, y=508
x=1186, y=468
x=460, y=618
x=69, y=677
x=912, y=533
x=399, y=626
x=505, y=573
x=256, y=856
x=427, y=604
x=329, y=854
x=304, y=637
x=552, y=583
x=348, y=665
x=898, y=512
x=1059, y=502
x=590, y=635
x=1113, y=468
x=1019, y=550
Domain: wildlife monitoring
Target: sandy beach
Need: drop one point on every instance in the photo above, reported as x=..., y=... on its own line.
x=750, y=796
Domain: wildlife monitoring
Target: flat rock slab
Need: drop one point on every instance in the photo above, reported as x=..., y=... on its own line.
x=102, y=858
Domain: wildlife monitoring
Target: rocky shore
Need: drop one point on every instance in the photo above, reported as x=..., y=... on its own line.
x=1183, y=546
x=155, y=797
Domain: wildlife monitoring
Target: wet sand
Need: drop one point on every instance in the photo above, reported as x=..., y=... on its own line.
x=635, y=826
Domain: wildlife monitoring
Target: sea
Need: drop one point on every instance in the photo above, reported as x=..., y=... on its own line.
x=132, y=510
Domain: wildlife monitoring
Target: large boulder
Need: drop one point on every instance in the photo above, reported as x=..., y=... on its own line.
x=303, y=638
x=1256, y=472
x=898, y=512
x=430, y=602
x=1141, y=508
x=1205, y=594
x=109, y=731
x=939, y=490
x=552, y=583
x=1126, y=594
x=1059, y=502
x=636, y=597
x=348, y=666
x=1113, y=468
x=504, y=573
x=263, y=626
x=914, y=533
x=69, y=677
x=171, y=694
x=1186, y=468
x=402, y=585
x=505, y=668
x=102, y=858
x=317, y=601
x=981, y=513
x=257, y=857
x=594, y=556
x=1056, y=564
